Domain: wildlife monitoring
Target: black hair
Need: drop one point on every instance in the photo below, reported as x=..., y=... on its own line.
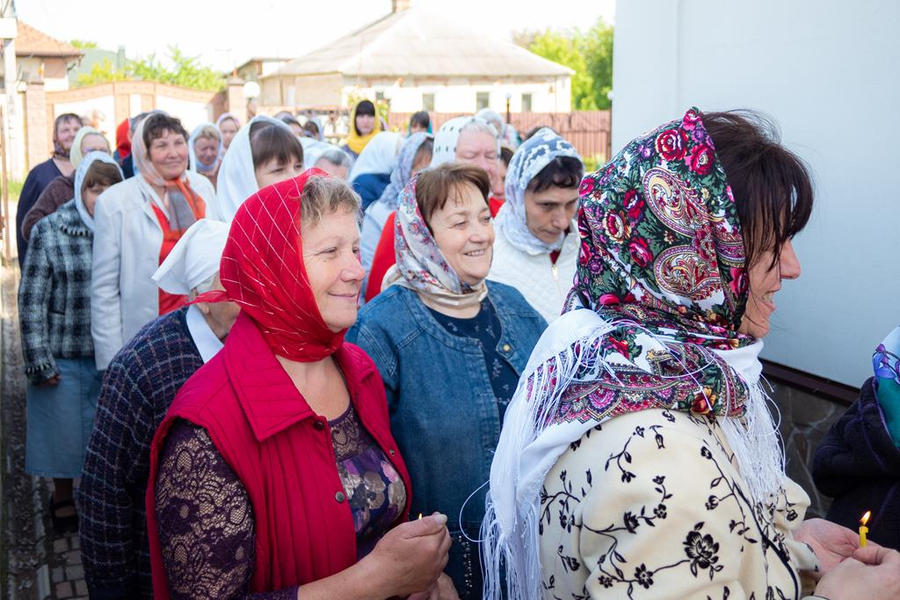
x=270, y=141
x=157, y=124
x=64, y=118
x=771, y=185
x=420, y=119
x=506, y=154
x=312, y=128
x=365, y=108
x=563, y=171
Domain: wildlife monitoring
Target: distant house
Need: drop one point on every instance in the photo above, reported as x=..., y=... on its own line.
x=421, y=60
x=255, y=68
x=40, y=57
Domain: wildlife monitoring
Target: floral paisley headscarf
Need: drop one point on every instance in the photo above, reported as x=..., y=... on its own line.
x=420, y=264
x=529, y=160
x=886, y=363
x=651, y=322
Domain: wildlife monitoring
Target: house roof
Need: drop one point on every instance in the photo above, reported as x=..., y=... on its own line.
x=417, y=42
x=31, y=42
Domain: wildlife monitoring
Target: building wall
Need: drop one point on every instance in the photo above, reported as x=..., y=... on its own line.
x=311, y=90
x=460, y=95
x=819, y=68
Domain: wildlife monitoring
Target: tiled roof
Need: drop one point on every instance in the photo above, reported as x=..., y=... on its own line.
x=31, y=42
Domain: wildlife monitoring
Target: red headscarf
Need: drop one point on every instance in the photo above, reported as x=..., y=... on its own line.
x=262, y=271
x=123, y=145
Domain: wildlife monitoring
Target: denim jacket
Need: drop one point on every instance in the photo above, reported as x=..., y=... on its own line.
x=444, y=415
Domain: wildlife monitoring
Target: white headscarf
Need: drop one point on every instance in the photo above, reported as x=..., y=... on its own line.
x=193, y=163
x=379, y=156
x=507, y=133
x=194, y=259
x=237, y=176
x=313, y=150
x=75, y=155
x=80, y=173
x=530, y=159
x=447, y=138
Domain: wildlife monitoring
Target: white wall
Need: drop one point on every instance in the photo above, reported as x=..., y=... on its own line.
x=827, y=71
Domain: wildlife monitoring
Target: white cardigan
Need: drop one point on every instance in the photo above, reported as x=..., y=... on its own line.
x=544, y=285
x=127, y=240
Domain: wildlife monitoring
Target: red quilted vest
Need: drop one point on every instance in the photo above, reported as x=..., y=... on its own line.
x=282, y=452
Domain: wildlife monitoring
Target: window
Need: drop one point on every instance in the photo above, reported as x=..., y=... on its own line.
x=379, y=96
x=482, y=100
x=291, y=96
x=526, y=102
x=428, y=102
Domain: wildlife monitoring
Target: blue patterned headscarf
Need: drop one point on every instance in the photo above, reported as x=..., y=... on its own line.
x=886, y=363
x=403, y=170
x=530, y=159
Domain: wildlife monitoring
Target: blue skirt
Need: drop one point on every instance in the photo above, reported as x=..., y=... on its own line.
x=60, y=419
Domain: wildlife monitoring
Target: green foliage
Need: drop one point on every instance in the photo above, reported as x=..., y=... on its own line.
x=587, y=53
x=184, y=70
x=83, y=44
x=382, y=107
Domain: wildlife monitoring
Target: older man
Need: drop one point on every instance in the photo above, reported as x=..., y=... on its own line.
x=138, y=387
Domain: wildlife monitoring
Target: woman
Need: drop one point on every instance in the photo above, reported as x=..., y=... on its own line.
x=364, y=126
x=287, y=401
x=638, y=458
x=506, y=132
x=331, y=159
x=64, y=129
x=55, y=318
x=263, y=152
x=138, y=223
x=420, y=122
x=449, y=347
x=537, y=242
x=858, y=461
x=371, y=173
x=228, y=126
x=62, y=189
x=203, y=151
x=414, y=155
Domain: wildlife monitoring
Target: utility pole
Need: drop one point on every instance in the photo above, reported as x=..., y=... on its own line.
x=12, y=109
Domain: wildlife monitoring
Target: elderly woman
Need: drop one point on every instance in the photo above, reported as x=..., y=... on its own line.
x=332, y=160
x=414, y=155
x=263, y=152
x=203, y=151
x=64, y=129
x=537, y=242
x=139, y=221
x=364, y=126
x=62, y=189
x=54, y=310
x=228, y=126
x=286, y=430
x=638, y=457
x=450, y=348
x=138, y=387
x=507, y=133
x=371, y=173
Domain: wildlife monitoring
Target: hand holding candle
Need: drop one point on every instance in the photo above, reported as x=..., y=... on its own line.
x=863, y=530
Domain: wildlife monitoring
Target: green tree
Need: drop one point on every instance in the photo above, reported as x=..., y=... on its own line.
x=185, y=71
x=588, y=53
x=83, y=44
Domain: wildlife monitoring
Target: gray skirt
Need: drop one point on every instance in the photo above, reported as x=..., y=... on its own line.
x=60, y=419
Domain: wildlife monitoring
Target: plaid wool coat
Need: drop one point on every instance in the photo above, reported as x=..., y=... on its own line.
x=55, y=293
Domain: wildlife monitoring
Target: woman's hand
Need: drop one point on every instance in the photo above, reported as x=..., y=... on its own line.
x=831, y=542
x=410, y=557
x=443, y=589
x=53, y=381
x=872, y=573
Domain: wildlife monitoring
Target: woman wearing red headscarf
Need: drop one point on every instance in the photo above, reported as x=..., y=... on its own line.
x=275, y=468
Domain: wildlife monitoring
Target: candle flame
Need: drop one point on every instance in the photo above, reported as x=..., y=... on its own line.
x=420, y=515
x=865, y=517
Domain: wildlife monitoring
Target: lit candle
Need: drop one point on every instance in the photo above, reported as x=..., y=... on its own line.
x=420, y=515
x=863, y=530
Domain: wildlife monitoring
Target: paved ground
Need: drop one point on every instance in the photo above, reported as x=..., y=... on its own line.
x=35, y=563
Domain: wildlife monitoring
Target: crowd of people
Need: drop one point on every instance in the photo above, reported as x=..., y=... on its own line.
x=432, y=365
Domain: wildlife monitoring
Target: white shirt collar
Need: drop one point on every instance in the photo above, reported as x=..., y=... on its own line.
x=207, y=342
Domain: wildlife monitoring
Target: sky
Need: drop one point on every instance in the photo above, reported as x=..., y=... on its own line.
x=226, y=37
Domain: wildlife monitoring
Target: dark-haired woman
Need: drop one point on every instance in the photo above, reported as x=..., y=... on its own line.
x=64, y=129
x=263, y=151
x=364, y=126
x=55, y=316
x=537, y=242
x=139, y=221
x=420, y=122
x=450, y=348
x=638, y=458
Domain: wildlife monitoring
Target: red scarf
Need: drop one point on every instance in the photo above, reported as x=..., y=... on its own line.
x=123, y=144
x=262, y=271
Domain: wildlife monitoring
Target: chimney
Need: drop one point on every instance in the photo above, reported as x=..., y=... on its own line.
x=399, y=5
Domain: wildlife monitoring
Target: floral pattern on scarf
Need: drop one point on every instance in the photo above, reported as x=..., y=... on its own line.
x=420, y=264
x=529, y=160
x=662, y=253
